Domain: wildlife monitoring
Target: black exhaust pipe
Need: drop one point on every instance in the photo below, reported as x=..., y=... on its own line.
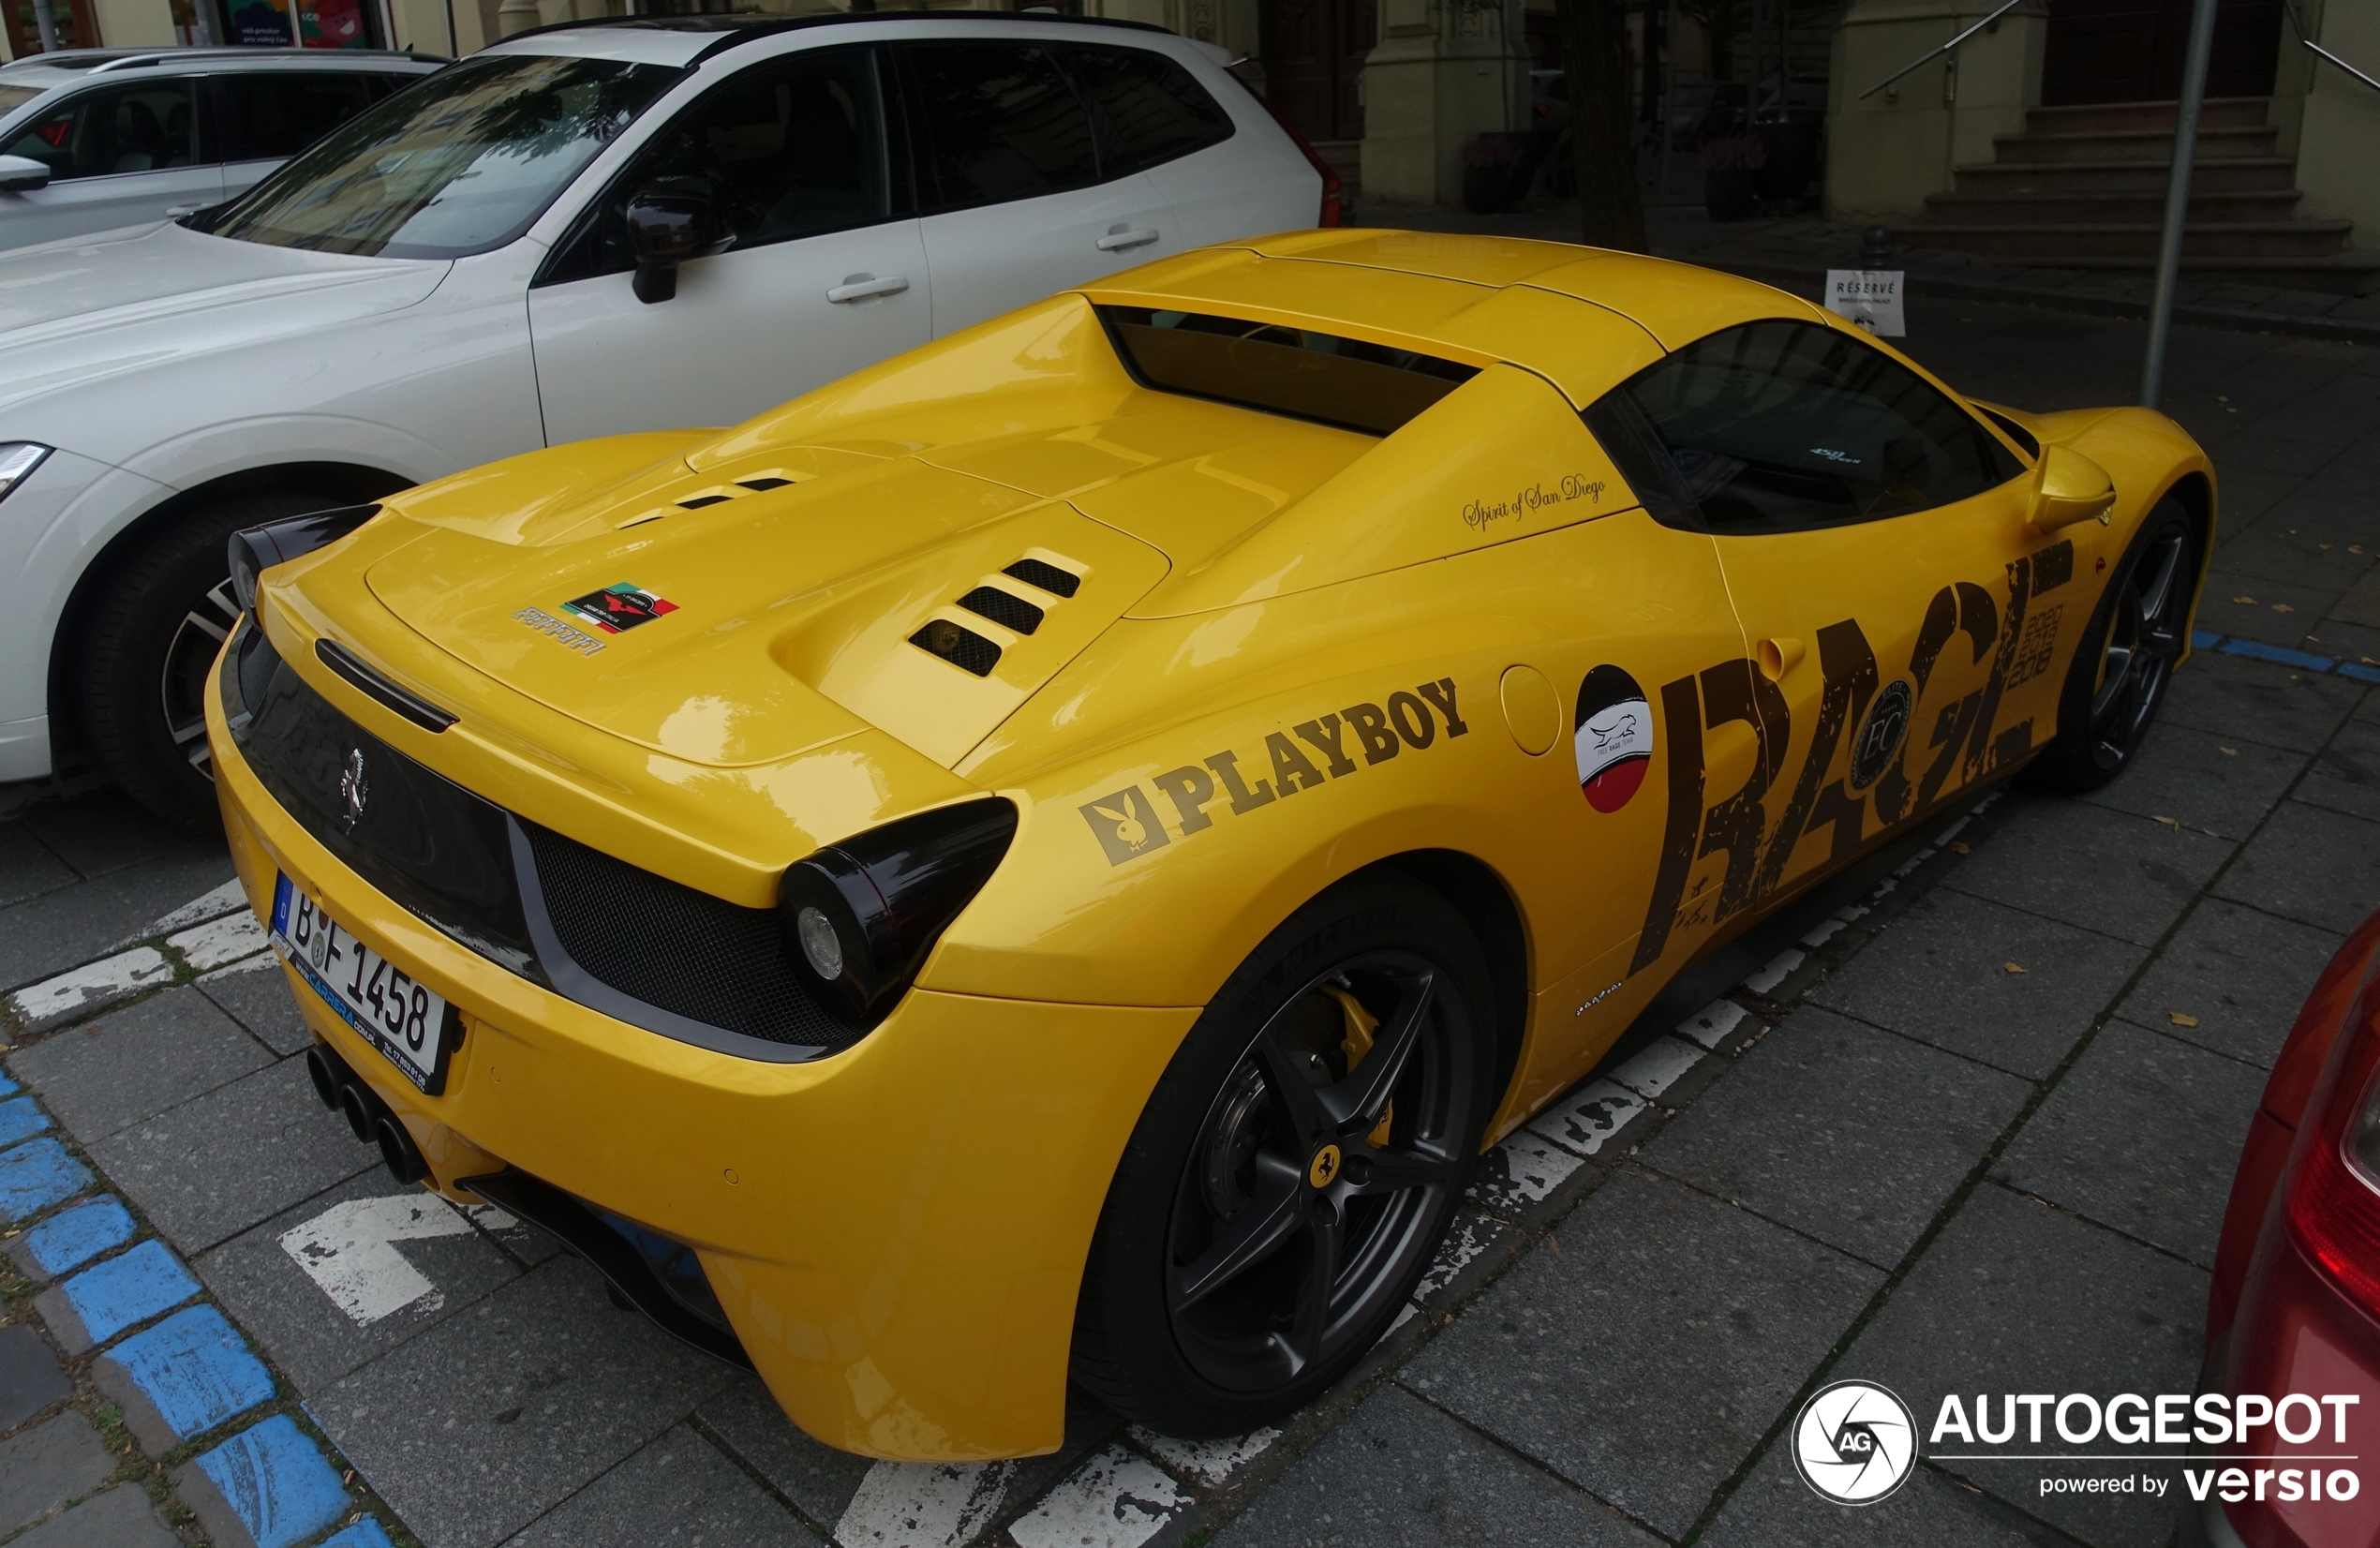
x=369, y=1118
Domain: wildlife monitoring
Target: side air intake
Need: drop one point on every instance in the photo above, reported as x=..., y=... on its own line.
x=1047, y=576
x=1003, y=608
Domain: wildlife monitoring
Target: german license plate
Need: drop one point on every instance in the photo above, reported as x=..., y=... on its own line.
x=410, y=1024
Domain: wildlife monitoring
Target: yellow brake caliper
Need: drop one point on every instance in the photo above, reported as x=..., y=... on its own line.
x=1361, y=1024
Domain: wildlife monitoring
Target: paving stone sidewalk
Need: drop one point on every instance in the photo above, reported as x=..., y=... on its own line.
x=1856, y=1144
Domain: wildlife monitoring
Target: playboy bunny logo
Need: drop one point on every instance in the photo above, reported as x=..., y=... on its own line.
x=1125, y=824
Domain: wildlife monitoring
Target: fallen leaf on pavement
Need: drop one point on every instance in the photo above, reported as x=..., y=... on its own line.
x=2011, y=967
x=2250, y=602
x=2179, y=1020
x=1958, y=848
x=2174, y=823
x=2228, y=751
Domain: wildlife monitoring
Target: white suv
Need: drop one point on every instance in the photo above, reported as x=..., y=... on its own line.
x=95, y=139
x=584, y=231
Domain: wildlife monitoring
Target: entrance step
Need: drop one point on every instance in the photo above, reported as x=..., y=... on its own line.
x=2061, y=208
x=2074, y=179
x=2220, y=113
x=2237, y=142
x=2238, y=239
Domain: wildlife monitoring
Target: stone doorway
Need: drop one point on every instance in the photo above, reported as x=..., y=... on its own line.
x=1314, y=53
x=2131, y=51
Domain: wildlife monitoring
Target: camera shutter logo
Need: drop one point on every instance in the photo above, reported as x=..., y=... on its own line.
x=1854, y=1442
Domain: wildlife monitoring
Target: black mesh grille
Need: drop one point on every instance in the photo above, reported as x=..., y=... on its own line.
x=762, y=484
x=961, y=647
x=1001, y=607
x=687, y=952
x=438, y=851
x=1057, y=582
x=700, y=501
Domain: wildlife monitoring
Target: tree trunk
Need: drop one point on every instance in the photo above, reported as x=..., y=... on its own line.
x=1595, y=63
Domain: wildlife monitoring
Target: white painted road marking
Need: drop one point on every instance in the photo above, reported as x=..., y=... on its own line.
x=211, y=905
x=220, y=941
x=349, y=1250
x=1113, y=1500
x=110, y=979
x=1710, y=1025
x=1657, y=1068
x=1211, y=1462
x=1772, y=973
x=1533, y=1167
x=1587, y=1119
x=922, y=1504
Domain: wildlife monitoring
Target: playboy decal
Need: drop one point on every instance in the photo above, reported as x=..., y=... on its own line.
x=1612, y=738
x=1126, y=823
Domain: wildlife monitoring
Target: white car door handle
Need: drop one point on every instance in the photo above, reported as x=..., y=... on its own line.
x=1122, y=237
x=860, y=286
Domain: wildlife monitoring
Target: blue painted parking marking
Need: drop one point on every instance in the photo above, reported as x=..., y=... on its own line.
x=2257, y=650
x=34, y=1176
x=128, y=1289
x=2204, y=639
x=194, y=1370
x=2358, y=671
x=276, y=1482
x=74, y=1237
x=367, y=1533
x=8, y=1087
x=21, y=1118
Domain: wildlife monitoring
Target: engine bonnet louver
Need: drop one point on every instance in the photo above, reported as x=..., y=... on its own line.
x=960, y=645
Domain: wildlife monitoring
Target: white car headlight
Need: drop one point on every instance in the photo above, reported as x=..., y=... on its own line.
x=17, y=459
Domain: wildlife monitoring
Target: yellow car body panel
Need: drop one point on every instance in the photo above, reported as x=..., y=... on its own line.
x=1292, y=651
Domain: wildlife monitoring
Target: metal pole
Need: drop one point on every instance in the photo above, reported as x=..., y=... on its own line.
x=2186, y=112
x=45, y=17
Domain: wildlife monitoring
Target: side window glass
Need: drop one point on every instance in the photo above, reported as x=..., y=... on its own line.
x=142, y=128
x=270, y=116
x=1000, y=121
x=1150, y=108
x=787, y=149
x=1778, y=426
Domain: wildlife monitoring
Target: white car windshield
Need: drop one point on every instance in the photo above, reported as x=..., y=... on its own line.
x=460, y=163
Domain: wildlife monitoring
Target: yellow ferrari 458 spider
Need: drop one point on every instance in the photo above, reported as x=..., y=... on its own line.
x=1053, y=855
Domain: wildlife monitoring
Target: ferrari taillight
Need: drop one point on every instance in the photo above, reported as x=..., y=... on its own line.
x=2334, y=1201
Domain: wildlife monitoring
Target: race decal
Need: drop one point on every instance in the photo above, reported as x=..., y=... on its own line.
x=1347, y=742
x=1880, y=734
x=618, y=609
x=1956, y=733
x=1611, y=737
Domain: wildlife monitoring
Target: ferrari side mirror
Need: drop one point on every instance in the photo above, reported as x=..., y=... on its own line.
x=22, y=174
x=2069, y=487
x=668, y=224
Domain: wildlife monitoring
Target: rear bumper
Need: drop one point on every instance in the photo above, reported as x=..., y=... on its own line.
x=895, y=1231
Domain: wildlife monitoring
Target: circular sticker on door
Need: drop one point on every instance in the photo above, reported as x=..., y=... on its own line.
x=1612, y=738
x=1880, y=732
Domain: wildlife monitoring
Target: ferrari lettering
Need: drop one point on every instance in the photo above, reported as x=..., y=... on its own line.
x=545, y=623
x=1126, y=823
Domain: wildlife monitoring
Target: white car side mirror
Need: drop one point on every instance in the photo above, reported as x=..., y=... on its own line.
x=22, y=174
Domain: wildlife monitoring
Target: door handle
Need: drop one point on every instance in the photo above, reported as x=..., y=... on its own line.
x=861, y=286
x=1121, y=238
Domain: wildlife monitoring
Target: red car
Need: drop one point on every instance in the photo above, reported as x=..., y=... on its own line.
x=2293, y=1318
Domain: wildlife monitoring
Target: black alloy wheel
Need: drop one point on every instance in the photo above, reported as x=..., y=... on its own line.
x=2126, y=660
x=146, y=649
x=1296, y=1168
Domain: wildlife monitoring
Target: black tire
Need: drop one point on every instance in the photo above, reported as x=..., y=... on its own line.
x=147, y=649
x=1238, y=1195
x=2126, y=658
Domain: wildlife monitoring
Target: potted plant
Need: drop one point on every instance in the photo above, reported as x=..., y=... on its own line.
x=1730, y=174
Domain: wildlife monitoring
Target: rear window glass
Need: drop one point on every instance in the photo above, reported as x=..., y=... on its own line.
x=1153, y=110
x=1325, y=377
